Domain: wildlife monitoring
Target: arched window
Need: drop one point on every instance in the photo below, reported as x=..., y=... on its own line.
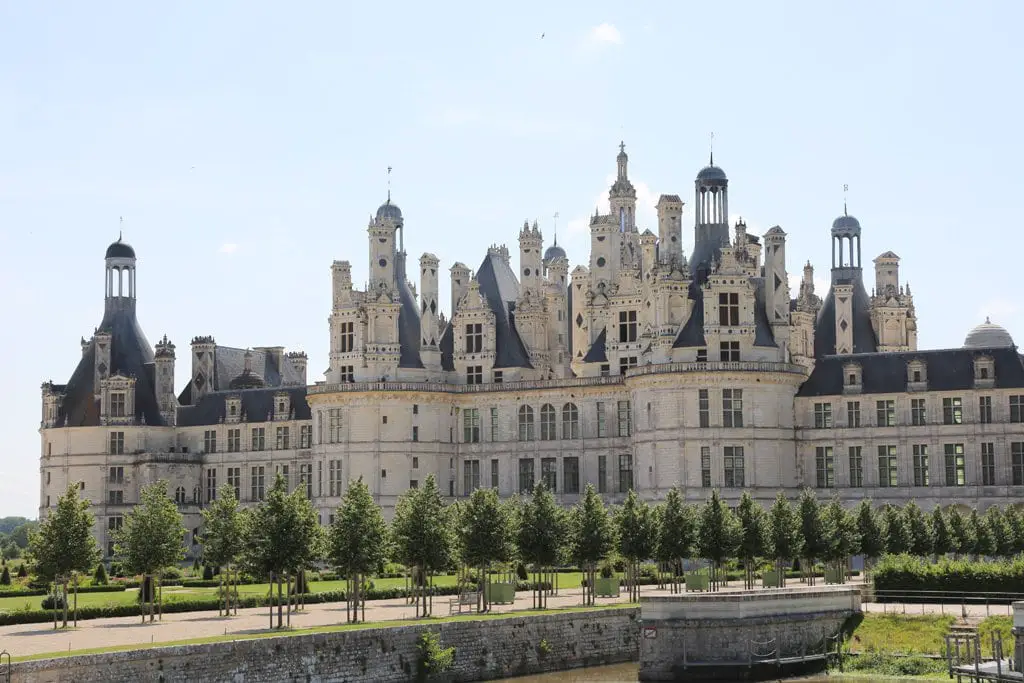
x=179, y=495
x=547, y=423
x=570, y=421
x=526, y=423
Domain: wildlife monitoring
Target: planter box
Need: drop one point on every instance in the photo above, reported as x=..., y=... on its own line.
x=607, y=588
x=501, y=593
x=834, y=576
x=697, y=582
x=771, y=579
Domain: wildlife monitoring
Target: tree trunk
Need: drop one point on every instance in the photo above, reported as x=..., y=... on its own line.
x=270, y=599
x=280, y=604
x=64, y=587
x=76, y=602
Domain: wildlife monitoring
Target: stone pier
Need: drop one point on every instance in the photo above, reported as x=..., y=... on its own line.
x=748, y=635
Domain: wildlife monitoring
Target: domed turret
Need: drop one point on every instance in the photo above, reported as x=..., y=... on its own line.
x=846, y=222
x=120, y=249
x=988, y=335
x=247, y=379
x=389, y=210
x=712, y=173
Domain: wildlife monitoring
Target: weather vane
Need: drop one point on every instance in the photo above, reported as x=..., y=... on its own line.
x=556, y=228
x=711, y=146
x=845, y=189
x=389, y=183
x=120, y=229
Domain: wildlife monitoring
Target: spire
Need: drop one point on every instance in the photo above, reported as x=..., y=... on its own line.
x=120, y=229
x=389, y=184
x=711, y=159
x=556, y=228
x=845, y=188
x=623, y=160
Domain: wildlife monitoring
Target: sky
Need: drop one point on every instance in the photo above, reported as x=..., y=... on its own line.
x=242, y=146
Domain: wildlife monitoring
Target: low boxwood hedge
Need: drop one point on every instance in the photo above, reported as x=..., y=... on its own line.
x=913, y=579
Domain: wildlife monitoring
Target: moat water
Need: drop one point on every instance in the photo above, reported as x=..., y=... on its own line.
x=626, y=673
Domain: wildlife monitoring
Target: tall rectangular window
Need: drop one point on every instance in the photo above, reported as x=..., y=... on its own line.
x=952, y=411
x=305, y=436
x=494, y=424
x=729, y=309
x=985, y=410
x=474, y=374
x=705, y=467
x=917, y=412
x=733, y=466
x=347, y=373
x=625, y=473
x=494, y=473
x=602, y=427
x=334, y=478
x=1017, y=463
x=259, y=439
x=474, y=338
x=115, y=475
x=1017, y=408
x=257, y=483
x=283, y=471
x=887, y=467
x=347, y=339
x=885, y=413
x=823, y=416
x=306, y=479
x=415, y=433
x=471, y=428
x=283, y=438
x=602, y=474
x=117, y=402
x=549, y=473
x=704, y=408
x=920, y=456
x=334, y=425
x=470, y=476
x=627, y=327
x=988, y=464
x=319, y=478
x=117, y=443
x=732, y=407
x=856, y=467
x=115, y=497
x=210, y=441
x=853, y=413
x=825, y=467
x=625, y=363
x=526, y=479
x=729, y=351
x=625, y=419
x=235, y=481
x=234, y=440
x=571, y=474
x=956, y=464
x=211, y=485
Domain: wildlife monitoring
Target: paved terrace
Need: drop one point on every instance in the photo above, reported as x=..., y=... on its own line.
x=35, y=639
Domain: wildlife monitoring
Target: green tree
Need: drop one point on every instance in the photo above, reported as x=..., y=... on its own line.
x=1001, y=532
x=983, y=545
x=677, y=533
x=634, y=523
x=592, y=538
x=357, y=543
x=1015, y=522
x=753, y=540
x=99, y=576
x=20, y=534
x=63, y=545
x=719, y=535
x=922, y=540
x=541, y=535
x=5, y=576
x=223, y=539
x=811, y=530
x=897, y=531
x=942, y=542
x=784, y=537
x=422, y=535
x=282, y=537
x=485, y=533
x=870, y=533
x=151, y=539
x=840, y=537
x=961, y=534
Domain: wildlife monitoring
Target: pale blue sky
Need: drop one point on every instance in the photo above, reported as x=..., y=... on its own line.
x=245, y=144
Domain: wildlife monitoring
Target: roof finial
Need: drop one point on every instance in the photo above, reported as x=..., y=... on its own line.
x=389, y=184
x=556, y=228
x=845, y=188
x=712, y=147
x=622, y=146
x=120, y=229
x=987, y=321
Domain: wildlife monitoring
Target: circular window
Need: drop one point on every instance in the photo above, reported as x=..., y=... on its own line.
x=383, y=262
x=673, y=238
x=600, y=262
x=526, y=271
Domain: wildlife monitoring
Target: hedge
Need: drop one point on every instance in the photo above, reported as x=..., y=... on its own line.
x=948, y=580
x=35, y=592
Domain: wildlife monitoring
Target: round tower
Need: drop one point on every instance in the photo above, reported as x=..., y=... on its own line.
x=120, y=276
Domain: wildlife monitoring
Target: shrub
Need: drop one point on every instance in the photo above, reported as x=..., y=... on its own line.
x=328, y=575
x=195, y=566
x=99, y=577
x=607, y=571
x=5, y=577
x=22, y=572
x=432, y=658
x=171, y=574
x=207, y=573
x=948, y=580
x=521, y=571
x=51, y=602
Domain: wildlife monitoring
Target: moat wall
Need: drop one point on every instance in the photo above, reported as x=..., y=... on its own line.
x=484, y=650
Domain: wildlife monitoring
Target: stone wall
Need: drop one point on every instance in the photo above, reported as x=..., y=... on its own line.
x=484, y=649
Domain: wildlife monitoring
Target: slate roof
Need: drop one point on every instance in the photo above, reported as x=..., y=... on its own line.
x=864, y=340
x=130, y=355
x=692, y=334
x=597, y=352
x=886, y=373
x=408, y=319
x=229, y=363
x=257, y=406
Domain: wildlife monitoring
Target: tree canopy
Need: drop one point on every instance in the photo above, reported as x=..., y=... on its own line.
x=486, y=529
x=64, y=542
x=152, y=537
x=358, y=540
x=421, y=530
x=223, y=529
x=281, y=533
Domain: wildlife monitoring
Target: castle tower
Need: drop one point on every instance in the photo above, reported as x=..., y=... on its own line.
x=622, y=195
x=892, y=307
x=460, y=284
x=648, y=254
x=430, y=332
x=120, y=277
x=844, y=317
x=887, y=274
x=203, y=363
x=165, y=398
x=299, y=361
x=803, y=318
x=776, y=280
x=670, y=229
x=383, y=231
x=530, y=262
x=341, y=283
x=711, y=216
x=605, y=251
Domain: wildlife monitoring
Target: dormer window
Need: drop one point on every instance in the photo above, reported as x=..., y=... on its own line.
x=117, y=403
x=917, y=375
x=282, y=405
x=233, y=409
x=984, y=371
x=729, y=309
x=852, y=378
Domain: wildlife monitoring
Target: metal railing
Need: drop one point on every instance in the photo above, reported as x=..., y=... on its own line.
x=5, y=667
x=901, y=600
